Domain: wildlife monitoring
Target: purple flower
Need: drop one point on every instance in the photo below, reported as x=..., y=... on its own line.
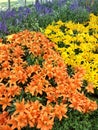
x=3, y=27
x=74, y=5
x=27, y=10
x=42, y=9
x=61, y=2
x=38, y=6
x=47, y=10
x=20, y=9
x=88, y=8
x=0, y=25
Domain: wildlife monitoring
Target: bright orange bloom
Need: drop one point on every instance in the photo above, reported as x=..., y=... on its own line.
x=3, y=118
x=20, y=107
x=33, y=112
x=18, y=121
x=18, y=51
x=82, y=103
x=2, y=90
x=60, y=110
x=13, y=123
x=46, y=118
x=5, y=101
x=1, y=40
x=13, y=90
x=5, y=127
x=90, y=88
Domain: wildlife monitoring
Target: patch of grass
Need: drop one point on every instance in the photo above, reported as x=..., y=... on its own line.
x=78, y=121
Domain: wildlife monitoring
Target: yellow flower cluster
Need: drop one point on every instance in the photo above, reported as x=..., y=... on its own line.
x=78, y=45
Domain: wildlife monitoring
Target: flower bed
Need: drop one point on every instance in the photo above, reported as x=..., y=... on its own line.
x=35, y=86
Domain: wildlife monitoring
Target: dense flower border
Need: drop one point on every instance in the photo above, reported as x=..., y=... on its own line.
x=78, y=45
x=34, y=84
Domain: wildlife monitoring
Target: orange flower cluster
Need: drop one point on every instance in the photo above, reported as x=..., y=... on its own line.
x=34, y=84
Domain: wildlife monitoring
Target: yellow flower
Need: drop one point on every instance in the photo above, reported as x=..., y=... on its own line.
x=80, y=45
